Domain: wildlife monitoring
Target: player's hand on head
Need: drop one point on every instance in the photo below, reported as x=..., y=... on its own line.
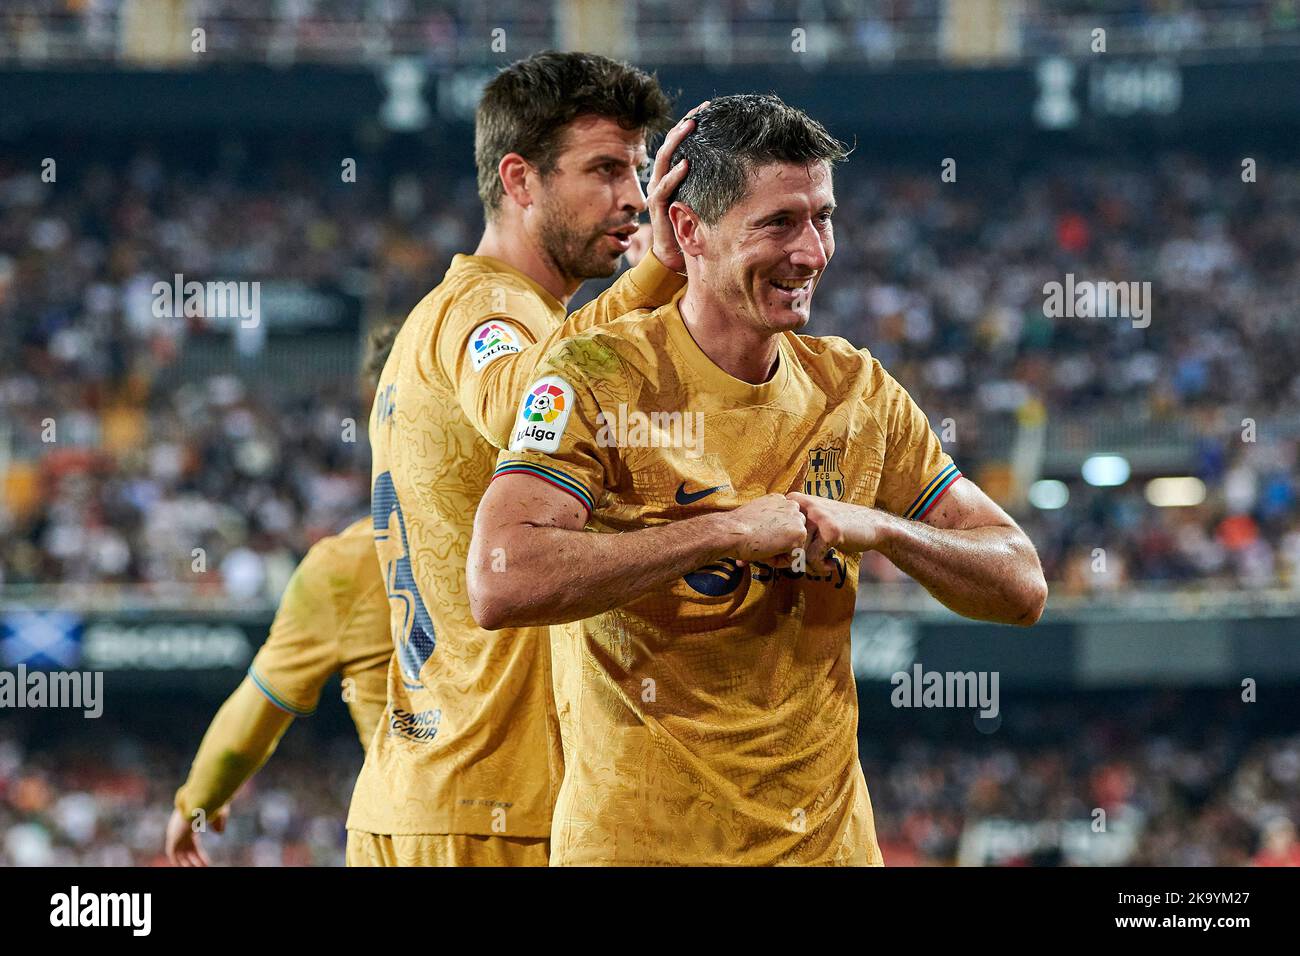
x=768, y=526
x=182, y=841
x=663, y=183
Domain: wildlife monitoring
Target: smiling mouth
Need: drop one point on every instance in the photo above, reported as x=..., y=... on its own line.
x=792, y=286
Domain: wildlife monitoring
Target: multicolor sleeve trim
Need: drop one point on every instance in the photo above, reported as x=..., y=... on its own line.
x=551, y=475
x=275, y=698
x=933, y=491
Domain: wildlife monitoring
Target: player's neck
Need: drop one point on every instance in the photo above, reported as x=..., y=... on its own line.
x=513, y=247
x=738, y=349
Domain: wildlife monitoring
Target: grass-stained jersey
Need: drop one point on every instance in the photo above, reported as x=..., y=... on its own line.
x=714, y=720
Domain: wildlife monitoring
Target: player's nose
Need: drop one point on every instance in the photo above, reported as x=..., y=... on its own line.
x=810, y=250
x=633, y=199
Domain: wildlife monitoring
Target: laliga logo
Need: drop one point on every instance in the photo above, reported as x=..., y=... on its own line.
x=490, y=341
x=489, y=337
x=543, y=404
x=543, y=416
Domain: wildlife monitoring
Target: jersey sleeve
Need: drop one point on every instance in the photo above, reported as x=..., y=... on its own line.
x=301, y=652
x=917, y=471
x=241, y=737
x=559, y=433
x=647, y=285
x=490, y=344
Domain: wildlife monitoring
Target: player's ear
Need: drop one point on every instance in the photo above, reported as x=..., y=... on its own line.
x=513, y=170
x=686, y=227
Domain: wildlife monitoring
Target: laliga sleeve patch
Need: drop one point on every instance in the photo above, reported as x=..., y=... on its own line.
x=543, y=415
x=489, y=341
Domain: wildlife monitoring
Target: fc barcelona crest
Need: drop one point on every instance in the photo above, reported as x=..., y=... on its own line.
x=824, y=477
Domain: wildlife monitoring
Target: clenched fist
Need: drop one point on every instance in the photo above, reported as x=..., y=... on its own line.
x=836, y=524
x=769, y=526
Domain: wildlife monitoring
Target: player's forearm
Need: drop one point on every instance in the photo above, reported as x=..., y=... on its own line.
x=529, y=575
x=241, y=737
x=990, y=574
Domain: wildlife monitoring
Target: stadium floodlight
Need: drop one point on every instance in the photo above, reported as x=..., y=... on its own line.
x=1175, y=492
x=1048, y=494
x=1106, y=471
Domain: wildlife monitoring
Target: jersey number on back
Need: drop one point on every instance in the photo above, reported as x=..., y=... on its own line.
x=411, y=626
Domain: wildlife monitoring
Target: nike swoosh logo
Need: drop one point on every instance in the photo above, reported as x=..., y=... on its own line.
x=683, y=498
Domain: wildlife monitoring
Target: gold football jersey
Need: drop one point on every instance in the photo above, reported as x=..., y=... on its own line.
x=468, y=742
x=332, y=619
x=713, y=721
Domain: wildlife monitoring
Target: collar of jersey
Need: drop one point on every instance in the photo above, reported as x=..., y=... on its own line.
x=715, y=380
x=488, y=264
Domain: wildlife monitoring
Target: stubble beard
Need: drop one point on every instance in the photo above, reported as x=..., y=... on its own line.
x=574, y=253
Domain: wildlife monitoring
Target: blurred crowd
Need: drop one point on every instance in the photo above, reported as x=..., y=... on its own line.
x=443, y=32
x=945, y=285
x=1181, y=779
x=117, y=468
x=219, y=483
x=1186, y=779
x=104, y=800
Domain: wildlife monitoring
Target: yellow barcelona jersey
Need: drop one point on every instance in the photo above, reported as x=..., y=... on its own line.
x=713, y=721
x=468, y=742
x=332, y=619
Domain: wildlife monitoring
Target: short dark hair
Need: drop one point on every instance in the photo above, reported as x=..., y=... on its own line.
x=526, y=108
x=736, y=134
x=379, y=343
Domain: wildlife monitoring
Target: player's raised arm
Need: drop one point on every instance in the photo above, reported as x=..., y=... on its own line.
x=488, y=385
x=488, y=391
